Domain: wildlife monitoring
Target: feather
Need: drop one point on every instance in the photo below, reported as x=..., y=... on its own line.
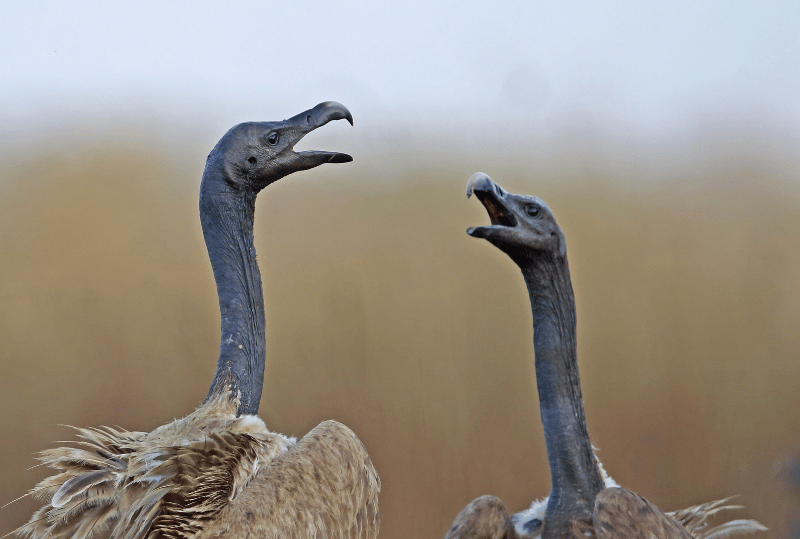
x=78, y=485
x=132, y=485
x=695, y=519
x=734, y=527
x=622, y=514
x=324, y=486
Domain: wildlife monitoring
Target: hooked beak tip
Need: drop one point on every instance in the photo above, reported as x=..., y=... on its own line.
x=473, y=180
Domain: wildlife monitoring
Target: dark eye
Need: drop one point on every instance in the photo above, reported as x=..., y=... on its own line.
x=532, y=210
x=272, y=138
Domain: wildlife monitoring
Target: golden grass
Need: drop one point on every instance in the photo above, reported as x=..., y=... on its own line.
x=383, y=314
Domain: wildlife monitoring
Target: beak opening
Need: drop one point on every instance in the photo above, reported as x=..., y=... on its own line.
x=491, y=196
x=315, y=118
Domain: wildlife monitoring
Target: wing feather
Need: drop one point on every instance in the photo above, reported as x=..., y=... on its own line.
x=79, y=484
x=132, y=485
x=324, y=486
x=695, y=520
x=734, y=527
x=485, y=518
x=622, y=514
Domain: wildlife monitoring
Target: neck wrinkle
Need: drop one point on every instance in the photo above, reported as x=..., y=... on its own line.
x=227, y=220
x=575, y=477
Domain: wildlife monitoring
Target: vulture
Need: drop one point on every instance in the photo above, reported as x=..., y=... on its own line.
x=584, y=502
x=219, y=472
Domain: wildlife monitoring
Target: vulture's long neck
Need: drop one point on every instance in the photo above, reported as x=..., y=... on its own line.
x=227, y=217
x=575, y=477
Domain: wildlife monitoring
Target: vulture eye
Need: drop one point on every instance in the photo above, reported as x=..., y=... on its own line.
x=272, y=138
x=532, y=210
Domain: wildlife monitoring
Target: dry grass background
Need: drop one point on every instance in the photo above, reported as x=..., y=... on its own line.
x=382, y=313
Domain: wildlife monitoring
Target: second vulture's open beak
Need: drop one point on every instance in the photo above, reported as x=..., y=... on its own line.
x=491, y=196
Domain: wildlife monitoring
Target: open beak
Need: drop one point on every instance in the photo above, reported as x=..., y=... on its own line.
x=307, y=121
x=492, y=197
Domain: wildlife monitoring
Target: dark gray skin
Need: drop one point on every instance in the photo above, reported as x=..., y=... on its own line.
x=524, y=228
x=248, y=158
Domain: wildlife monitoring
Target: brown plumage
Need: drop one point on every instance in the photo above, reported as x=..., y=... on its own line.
x=617, y=510
x=167, y=482
x=281, y=501
x=208, y=472
x=584, y=501
x=219, y=471
x=483, y=518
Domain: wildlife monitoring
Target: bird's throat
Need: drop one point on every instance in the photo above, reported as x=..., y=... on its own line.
x=575, y=476
x=227, y=217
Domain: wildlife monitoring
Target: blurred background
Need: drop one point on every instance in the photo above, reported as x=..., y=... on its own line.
x=664, y=137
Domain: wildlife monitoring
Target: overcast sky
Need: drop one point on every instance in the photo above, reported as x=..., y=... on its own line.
x=645, y=65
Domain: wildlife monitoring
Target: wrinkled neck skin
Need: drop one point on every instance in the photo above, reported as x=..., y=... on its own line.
x=575, y=477
x=226, y=215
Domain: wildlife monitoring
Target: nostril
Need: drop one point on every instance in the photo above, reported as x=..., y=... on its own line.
x=252, y=160
x=308, y=118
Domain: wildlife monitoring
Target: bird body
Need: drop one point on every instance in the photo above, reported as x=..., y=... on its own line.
x=219, y=471
x=283, y=499
x=584, y=501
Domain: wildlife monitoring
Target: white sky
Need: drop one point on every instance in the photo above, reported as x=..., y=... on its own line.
x=648, y=66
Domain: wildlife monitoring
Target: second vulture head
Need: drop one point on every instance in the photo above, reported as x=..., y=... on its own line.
x=522, y=225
